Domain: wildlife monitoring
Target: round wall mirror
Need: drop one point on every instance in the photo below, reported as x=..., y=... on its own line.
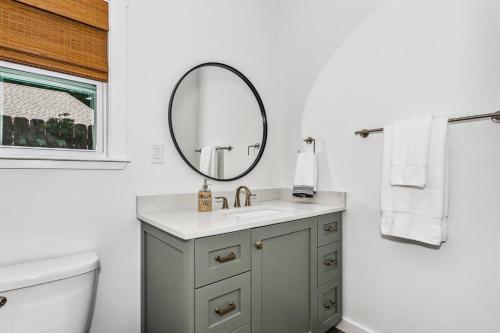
x=217, y=121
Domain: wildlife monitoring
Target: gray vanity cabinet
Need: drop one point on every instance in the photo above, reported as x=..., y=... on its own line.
x=282, y=278
x=167, y=283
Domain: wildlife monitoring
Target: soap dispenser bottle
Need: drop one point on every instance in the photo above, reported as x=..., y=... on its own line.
x=205, y=198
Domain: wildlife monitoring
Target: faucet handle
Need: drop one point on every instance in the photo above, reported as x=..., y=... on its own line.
x=225, y=204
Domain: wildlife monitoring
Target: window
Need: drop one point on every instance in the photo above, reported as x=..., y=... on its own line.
x=49, y=115
x=57, y=107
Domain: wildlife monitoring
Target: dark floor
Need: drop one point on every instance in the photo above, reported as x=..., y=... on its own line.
x=335, y=330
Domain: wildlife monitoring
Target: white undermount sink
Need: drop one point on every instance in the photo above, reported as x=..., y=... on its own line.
x=255, y=213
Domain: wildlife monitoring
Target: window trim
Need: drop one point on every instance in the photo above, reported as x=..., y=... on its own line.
x=116, y=120
x=101, y=116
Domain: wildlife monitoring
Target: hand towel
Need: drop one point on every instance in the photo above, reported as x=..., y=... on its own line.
x=410, y=151
x=306, y=175
x=415, y=213
x=209, y=161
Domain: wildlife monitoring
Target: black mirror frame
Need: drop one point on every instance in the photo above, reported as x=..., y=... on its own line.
x=262, y=110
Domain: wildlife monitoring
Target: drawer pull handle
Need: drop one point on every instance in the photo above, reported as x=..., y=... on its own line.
x=258, y=245
x=331, y=228
x=330, y=262
x=3, y=301
x=223, y=311
x=229, y=257
x=330, y=304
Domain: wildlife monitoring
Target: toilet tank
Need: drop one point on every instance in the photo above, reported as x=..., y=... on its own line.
x=49, y=296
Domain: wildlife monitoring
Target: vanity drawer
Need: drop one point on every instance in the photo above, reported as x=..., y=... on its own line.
x=223, y=306
x=222, y=256
x=329, y=228
x=245, y=329
x=329, y=305
x=329, y=262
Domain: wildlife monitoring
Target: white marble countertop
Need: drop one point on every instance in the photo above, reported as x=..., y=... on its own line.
x=190, y=224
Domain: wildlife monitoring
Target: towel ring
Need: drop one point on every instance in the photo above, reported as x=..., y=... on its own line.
x=310, y=140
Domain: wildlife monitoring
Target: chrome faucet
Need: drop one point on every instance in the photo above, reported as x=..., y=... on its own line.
x=248, y=195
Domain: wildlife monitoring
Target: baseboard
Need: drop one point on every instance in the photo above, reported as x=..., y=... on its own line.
x=349, y=326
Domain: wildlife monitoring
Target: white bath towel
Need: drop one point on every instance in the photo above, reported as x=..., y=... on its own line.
x=414, y=213
x=306, y=175
x=209, y=161
x=410, y=151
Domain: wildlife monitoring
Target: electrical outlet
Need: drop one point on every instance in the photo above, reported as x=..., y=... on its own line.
x=157, y=154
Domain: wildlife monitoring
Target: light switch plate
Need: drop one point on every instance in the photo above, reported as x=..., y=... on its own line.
x=157, y=154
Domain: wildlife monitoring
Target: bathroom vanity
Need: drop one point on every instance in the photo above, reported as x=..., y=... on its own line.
x=275, y=267
x=272, y=267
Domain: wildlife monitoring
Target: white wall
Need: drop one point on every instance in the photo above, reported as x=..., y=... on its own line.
x=309, y=33
x=239, y=33
x=56, y=211
x=401, y=59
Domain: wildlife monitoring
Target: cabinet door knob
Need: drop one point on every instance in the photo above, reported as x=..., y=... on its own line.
x=225, y=310
x=229, y=257
x=258, y=245
x=3, y=301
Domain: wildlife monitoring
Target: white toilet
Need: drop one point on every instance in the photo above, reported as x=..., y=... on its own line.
x=49, y=296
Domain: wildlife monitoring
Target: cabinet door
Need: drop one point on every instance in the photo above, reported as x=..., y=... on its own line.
x=167, y=283
x=284, y=268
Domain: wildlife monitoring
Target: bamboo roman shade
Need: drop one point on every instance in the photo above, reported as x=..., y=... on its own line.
x=69, y=36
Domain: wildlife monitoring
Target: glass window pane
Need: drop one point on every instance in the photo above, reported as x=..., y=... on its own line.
x=46, y=112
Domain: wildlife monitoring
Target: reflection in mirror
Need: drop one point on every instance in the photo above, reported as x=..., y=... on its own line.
x=218, y=122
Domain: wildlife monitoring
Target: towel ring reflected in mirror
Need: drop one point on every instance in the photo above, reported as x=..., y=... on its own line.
x=215, y=105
